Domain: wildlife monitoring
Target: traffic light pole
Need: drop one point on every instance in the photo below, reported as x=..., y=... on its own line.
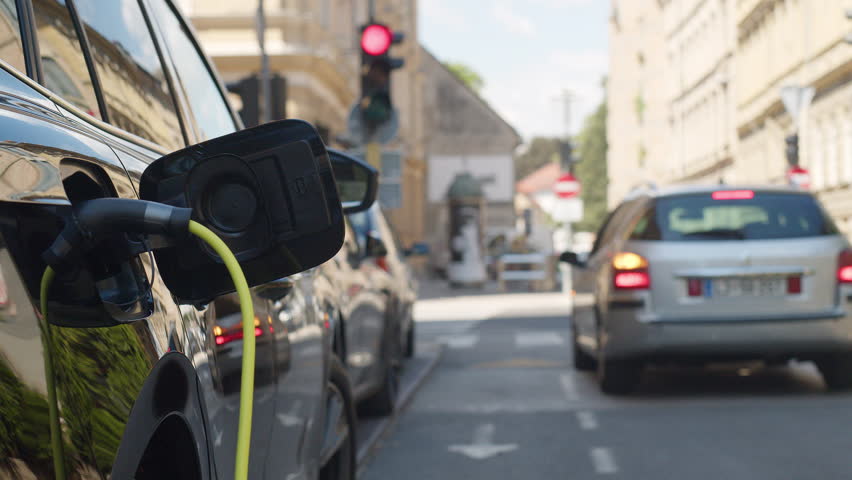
x=371, y=10
x=264, y=104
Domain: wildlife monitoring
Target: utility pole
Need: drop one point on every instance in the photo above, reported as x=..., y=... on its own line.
x=563, y=236
x=265, y=109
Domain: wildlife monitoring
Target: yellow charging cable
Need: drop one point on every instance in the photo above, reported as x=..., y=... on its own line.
x=247, y=310
x=247, y=381
x=52, y=403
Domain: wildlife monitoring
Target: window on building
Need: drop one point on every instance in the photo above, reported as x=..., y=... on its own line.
x=64, y=69
x=135, y=90
x=846, y=140
x=209, y=107
x=11, y=48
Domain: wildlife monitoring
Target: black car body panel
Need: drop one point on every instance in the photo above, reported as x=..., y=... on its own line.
x=161, y=378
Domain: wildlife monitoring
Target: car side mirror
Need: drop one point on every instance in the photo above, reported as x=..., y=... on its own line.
x=357, y=181
x=268, y=192
x=375, y=246
x=417, y=249
x=572, y=259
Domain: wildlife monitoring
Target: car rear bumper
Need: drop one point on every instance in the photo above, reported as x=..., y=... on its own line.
x=627, y=336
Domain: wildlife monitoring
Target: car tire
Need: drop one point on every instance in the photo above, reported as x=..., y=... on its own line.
x=338, y=457
x=836, y=371
x=618, y=377
x=383, y=401
x=582, y=360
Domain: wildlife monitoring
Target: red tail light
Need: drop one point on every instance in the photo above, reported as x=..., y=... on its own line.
x=694, y=287
x=235, y=335
x=794, y=285
x=630, y=271
x=733, y=195
x=844, y=266
x=639, y=280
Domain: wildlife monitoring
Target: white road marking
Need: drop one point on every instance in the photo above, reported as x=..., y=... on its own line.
x=587, y=420
x=569, y=389
x=538, y=339
x=483, y=445
x=461, y=341
x=603, y=461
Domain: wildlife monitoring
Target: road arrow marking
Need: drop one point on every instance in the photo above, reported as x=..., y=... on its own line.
x=483, y=444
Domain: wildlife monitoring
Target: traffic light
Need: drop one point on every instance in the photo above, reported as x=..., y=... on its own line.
x=792, y=149
x=376, y=66
x=248, y=89
x=566, y=155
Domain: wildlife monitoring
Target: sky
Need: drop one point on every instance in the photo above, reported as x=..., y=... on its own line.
x=528, y=52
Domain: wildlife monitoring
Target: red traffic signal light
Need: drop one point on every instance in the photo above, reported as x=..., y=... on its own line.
x=376, y=39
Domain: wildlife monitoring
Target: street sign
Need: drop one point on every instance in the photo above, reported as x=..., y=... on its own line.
x=799, y=177
x=568, y=210
x=796, y=98
x=566, y=186
x=358, y=131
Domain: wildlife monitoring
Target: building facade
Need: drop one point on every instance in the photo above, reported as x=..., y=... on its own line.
x=723, y=66
x=796, y=42
x=700, y=43
x=637, y=99
x=314, y=46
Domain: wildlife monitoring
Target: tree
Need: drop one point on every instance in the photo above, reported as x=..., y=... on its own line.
x=591, y=171
x=539, y=152
x=467, y=75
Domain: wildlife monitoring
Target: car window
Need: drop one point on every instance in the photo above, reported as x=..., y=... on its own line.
x=750, y=216
x=605, y=229
x=137, y=95
x=209, y=108
x=64, y=69
x=11, y=49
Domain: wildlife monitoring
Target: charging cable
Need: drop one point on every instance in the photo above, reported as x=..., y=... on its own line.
x=112, y=215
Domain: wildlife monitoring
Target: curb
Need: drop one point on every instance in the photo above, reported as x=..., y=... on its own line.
x=368, y=445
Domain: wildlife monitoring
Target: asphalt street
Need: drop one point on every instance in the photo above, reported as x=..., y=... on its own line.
x=504, y=402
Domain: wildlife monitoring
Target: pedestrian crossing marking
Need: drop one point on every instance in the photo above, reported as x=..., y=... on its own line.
x=522, y=363
x=538, y=339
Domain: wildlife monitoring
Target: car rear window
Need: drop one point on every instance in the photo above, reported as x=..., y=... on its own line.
x=742, y=215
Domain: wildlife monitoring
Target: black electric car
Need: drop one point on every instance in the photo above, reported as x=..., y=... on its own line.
x=95, y=95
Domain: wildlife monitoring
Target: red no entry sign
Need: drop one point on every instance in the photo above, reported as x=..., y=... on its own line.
x=566, y=186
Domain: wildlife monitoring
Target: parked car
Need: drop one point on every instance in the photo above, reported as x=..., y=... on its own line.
x=711, y=273
x=93, y=93
x=381, y=324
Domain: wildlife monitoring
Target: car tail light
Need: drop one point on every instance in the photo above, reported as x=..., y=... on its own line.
x=630, y=271
x=844, y=266
x=794, y=285
x=694, y=287
x=236, y=334
x=733, y=195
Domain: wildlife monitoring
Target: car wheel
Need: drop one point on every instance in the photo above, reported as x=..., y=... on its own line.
x=338, y=454
x=618, y=377
x=409, y=341
x=582, y=360
x=836, y=371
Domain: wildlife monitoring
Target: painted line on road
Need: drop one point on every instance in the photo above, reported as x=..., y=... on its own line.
x=569, y=388
x=587, y=420
x=603, y=461
x=538, y=339
x=461, y=341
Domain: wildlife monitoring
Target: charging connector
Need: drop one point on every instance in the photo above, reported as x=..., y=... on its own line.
x=108, y=216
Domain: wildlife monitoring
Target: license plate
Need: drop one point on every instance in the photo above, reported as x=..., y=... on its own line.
x=747, y=287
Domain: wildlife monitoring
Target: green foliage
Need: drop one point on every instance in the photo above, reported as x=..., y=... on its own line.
x=539, y=152
x=592, y=170
x=467, y=75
